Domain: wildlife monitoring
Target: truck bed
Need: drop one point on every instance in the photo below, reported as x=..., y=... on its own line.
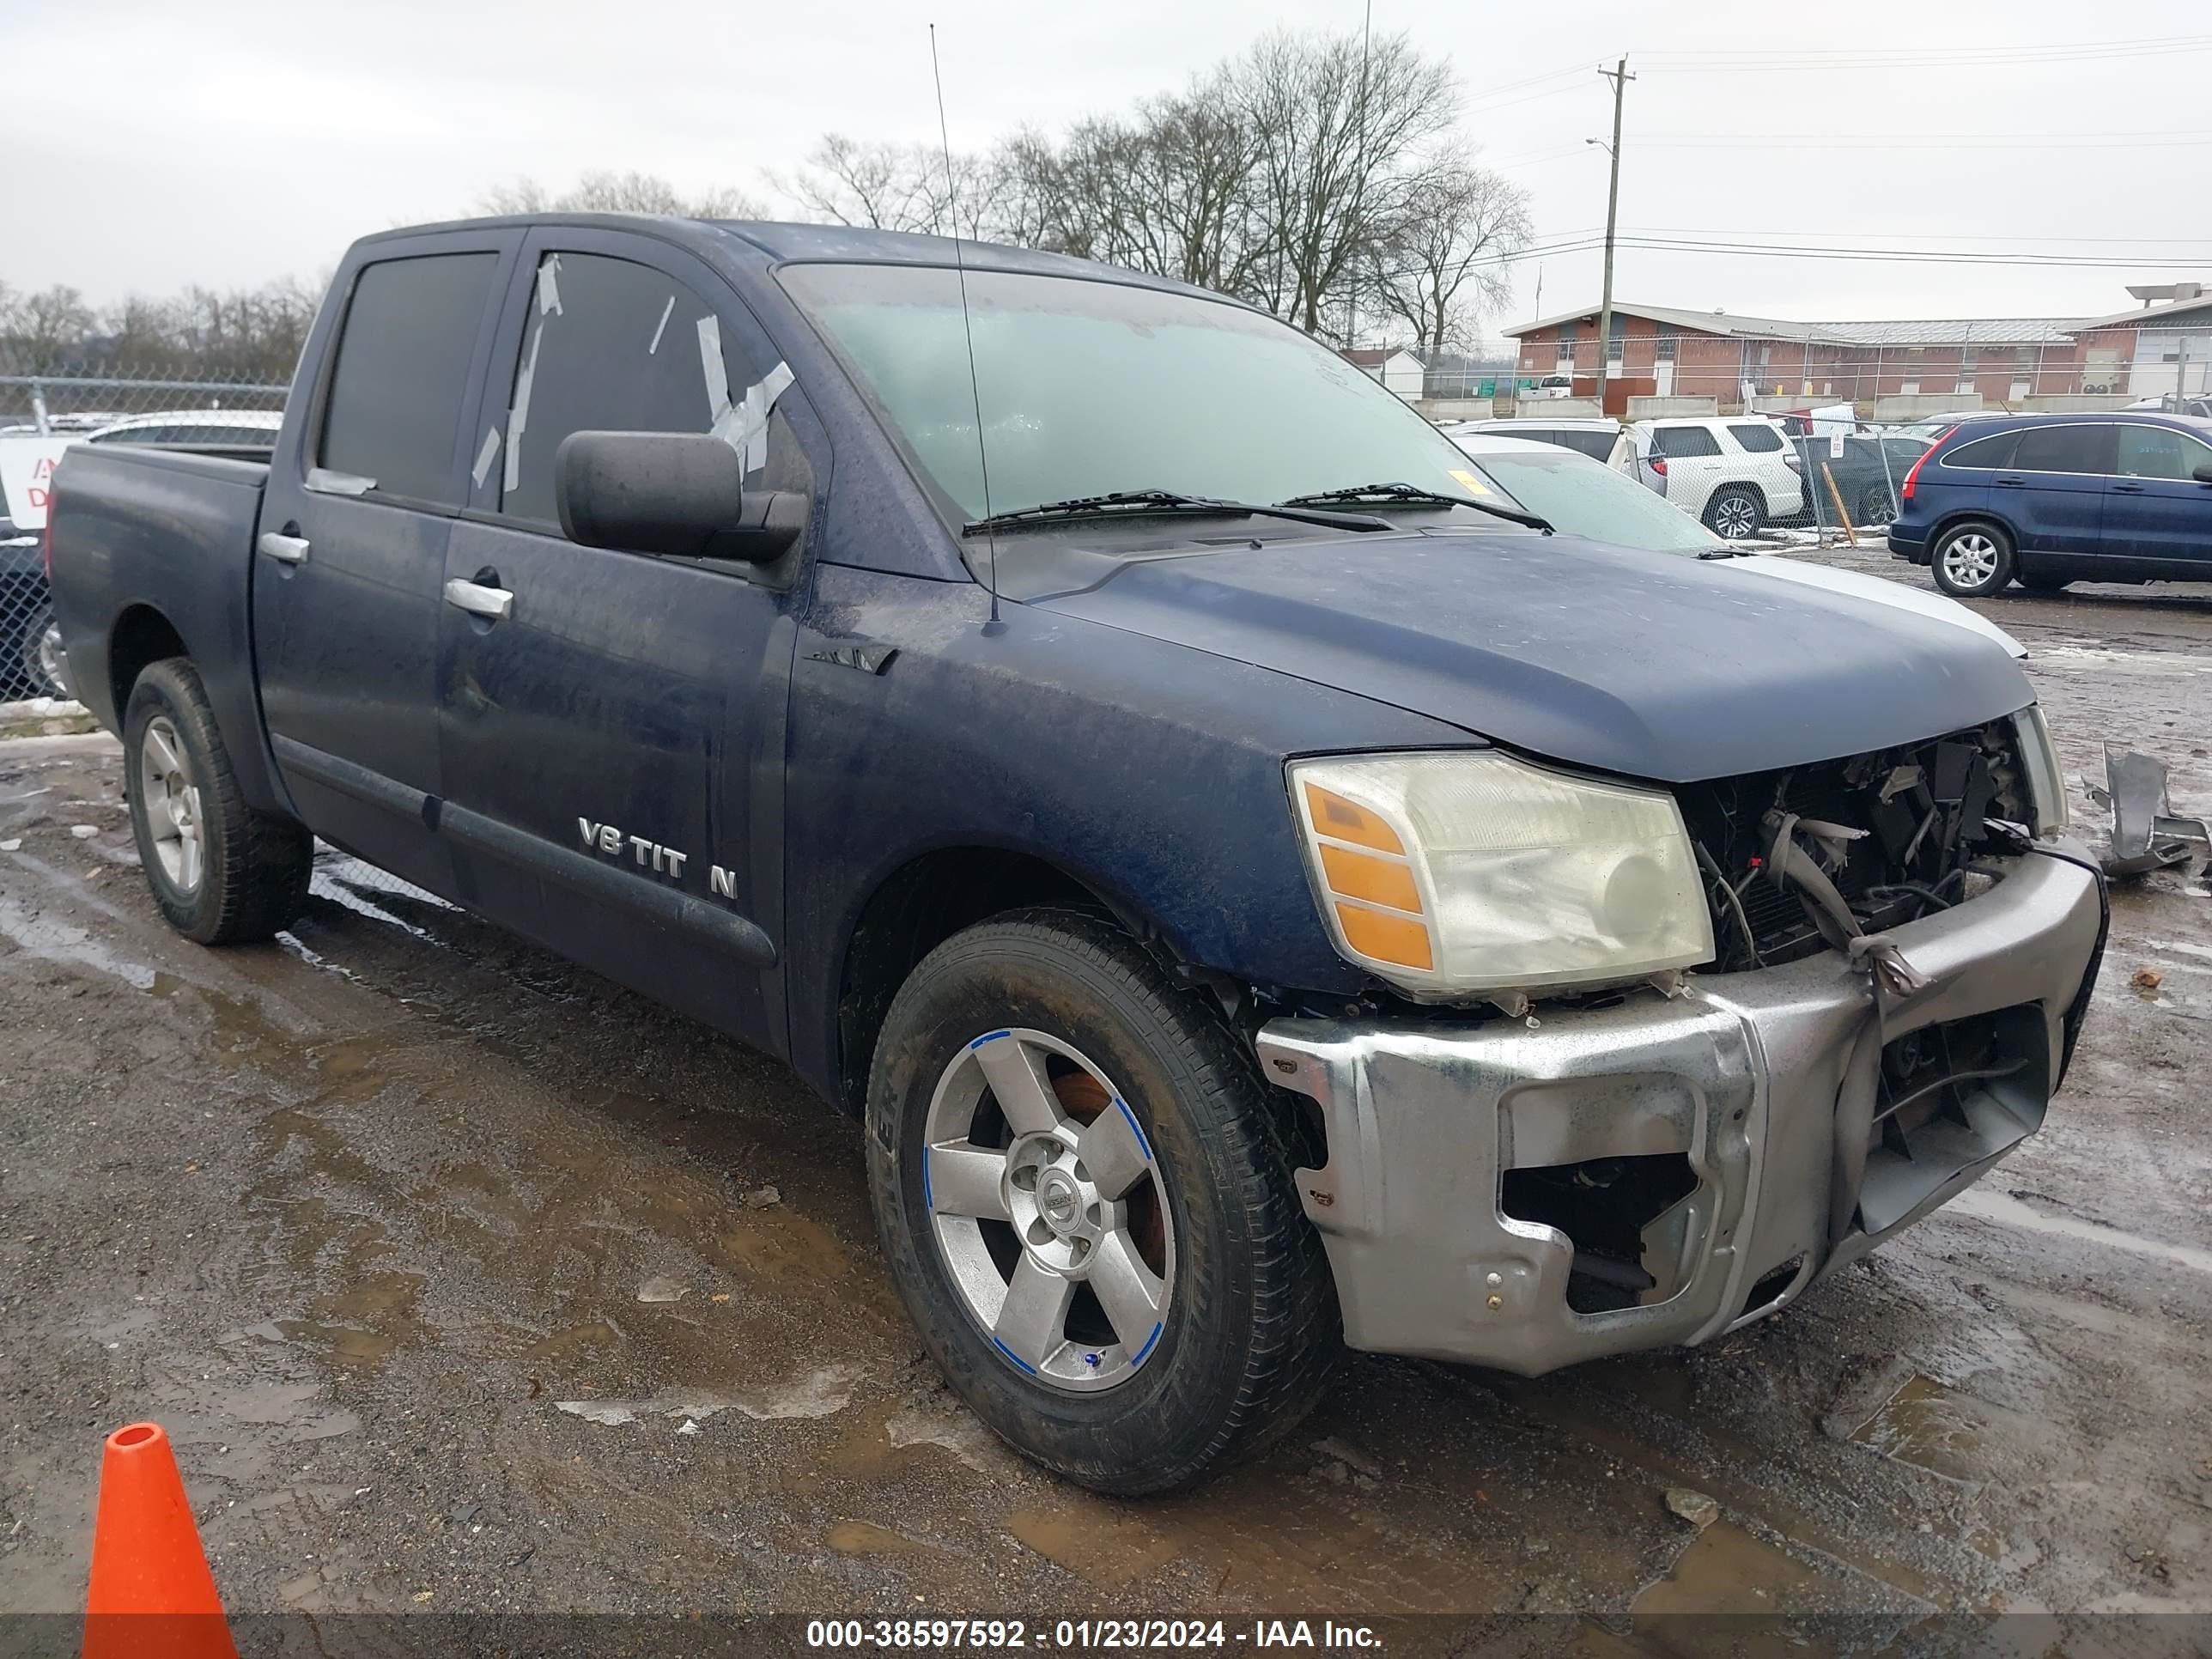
x=153, y=534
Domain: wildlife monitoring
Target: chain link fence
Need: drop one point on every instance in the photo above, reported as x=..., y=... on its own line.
x=47, y=404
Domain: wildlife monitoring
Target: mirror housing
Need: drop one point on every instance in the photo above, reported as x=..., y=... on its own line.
x=2204, y=473
x=671, y=492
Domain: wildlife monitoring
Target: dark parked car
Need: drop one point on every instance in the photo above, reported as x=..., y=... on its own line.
x=1160, y=838
x=2046, y=500
x=1868, y=480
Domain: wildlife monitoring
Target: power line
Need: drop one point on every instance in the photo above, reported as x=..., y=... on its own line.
x=1723, y=61
x=1912, y=256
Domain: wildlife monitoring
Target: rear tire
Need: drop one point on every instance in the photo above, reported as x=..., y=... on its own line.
x=1735, y=513
x=1971, y=560
x=221, y=872
x=983, y=1207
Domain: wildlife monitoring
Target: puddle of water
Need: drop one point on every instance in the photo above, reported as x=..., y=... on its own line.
x=1093, y=1542
x=1988, y=1204
x=53, y=941
x=866, y=1538
x=1927, y=1426
x=1698, y=1608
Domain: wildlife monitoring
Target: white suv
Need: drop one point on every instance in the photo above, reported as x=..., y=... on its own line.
x=1733, y=473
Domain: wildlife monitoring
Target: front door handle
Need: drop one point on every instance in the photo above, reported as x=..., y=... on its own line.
x=2012, y=483
x=490, y=603
x=2128, y=488
x=285, y=550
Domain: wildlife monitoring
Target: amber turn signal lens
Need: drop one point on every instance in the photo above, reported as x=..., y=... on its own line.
x=1399, y=939
x=1343, y=820
x=1363, y=875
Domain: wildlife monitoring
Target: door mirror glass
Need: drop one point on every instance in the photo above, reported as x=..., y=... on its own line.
x=670, y=492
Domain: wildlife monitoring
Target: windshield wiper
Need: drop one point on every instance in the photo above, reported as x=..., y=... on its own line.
x=1138, y=502
x=1413, y=495
x=1724, y=553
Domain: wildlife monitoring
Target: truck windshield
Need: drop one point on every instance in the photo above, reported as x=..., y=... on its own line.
x=1091, y=387
x=1582, y=497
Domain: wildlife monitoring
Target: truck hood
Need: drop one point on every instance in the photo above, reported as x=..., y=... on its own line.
x=1882, y=590
x=1670, y=669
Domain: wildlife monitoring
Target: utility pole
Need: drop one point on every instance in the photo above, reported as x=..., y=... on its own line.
x=1621, y=78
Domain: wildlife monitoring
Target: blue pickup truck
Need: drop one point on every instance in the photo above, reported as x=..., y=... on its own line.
x=1261, y=893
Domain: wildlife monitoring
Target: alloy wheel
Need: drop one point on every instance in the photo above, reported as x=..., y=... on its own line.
x=172, y=799
x=1047, y=1205
x=1970, y=559
x=1735, y=517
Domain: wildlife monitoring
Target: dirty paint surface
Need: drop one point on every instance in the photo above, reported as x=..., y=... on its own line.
x=455, y=1276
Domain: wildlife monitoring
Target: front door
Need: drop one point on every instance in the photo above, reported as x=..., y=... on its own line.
x=2054, y=490
x=2154, y=505
x=351, y=555
x=612, y=725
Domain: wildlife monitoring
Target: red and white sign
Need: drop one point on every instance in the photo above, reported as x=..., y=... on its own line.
x=26, y=474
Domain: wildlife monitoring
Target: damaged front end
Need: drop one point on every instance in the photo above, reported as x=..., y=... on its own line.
x=1903, y=948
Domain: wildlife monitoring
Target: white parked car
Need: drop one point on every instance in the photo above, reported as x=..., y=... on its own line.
x=1600, y=439
x=1731, y=473
x=214, y=429
x=1582, y=497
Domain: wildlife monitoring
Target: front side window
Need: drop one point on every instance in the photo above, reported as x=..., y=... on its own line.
x=1091, y=387
x=1679, y=443
x=401, y=371
x=615, y=346
x=2157, y=452
x=1756, y=439
x=2080, y=449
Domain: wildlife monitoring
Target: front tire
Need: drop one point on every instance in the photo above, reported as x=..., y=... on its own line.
x=1735, y=513
x=1087, y=1206
x=1971, y=560
x=221, y=872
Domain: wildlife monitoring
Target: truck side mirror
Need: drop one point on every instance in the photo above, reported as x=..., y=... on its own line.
x=670, y=492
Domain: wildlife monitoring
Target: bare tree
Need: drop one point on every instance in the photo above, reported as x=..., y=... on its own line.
x=1342, y=131
x=41, y=325
x=619, y=192
x=1441, y=262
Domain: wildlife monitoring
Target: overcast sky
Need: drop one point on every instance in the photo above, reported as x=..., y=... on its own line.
x=150, y=145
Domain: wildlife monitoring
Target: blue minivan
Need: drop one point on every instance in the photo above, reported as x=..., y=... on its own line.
x=2045, y=499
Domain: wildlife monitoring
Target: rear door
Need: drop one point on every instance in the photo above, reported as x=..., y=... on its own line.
x=613, y=744
x=1693, y=460
x=2054, y=490
x=2155, y=508
x=351, y=556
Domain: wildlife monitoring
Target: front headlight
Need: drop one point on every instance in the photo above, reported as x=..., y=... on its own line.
x=2046, y=779
x=1448, y=874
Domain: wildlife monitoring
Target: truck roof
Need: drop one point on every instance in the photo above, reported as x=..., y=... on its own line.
x=783, y=242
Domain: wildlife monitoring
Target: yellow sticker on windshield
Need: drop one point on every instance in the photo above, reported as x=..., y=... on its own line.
x=1467, y=481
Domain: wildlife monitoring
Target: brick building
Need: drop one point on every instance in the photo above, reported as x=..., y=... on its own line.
x=1664, y=351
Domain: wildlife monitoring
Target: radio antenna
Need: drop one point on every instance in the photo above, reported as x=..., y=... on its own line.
x=967, y=326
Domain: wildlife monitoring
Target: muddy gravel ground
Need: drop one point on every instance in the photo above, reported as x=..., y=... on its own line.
x=464, y=1281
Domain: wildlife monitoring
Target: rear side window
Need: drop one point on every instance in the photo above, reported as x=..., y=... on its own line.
x=2065, y=449
x=403, y=366
x=1684, y=443
x=2158, y=452
x=1985, y=454
x=612, y=346
x=1595, y=445
x=1757, y=440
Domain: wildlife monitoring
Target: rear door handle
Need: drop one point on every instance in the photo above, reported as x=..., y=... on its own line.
x=285, y=550
x=490, y=603
x=2012, y=483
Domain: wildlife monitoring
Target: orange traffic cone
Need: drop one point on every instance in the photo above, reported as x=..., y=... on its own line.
x=151, y=1591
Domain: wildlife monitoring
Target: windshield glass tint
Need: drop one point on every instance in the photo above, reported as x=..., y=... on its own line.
x=1583, y=497
x=1088, y=388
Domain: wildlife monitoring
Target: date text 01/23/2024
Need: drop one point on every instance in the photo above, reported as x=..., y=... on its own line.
x=925, y=1634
